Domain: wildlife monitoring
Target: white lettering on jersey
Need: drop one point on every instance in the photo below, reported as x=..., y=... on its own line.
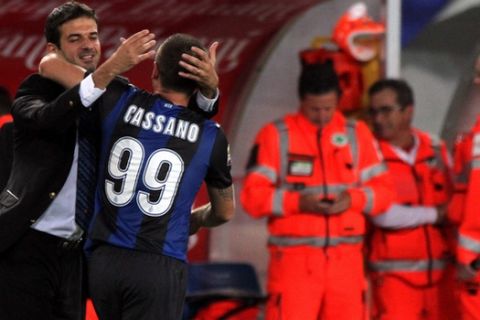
x=159, y=121
x=170, y=126
x=137, y=117
x=147, y=120
x=128, y=115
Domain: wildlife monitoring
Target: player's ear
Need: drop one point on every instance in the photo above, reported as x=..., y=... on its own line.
x=52, y=47
x=155, y=72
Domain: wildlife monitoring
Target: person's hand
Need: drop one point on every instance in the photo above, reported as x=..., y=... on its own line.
x=197, y=217
x=201, y=68
x=340, y=204
x=313, y=203
x=132, y=51
x=465, y=272
x=441, y=214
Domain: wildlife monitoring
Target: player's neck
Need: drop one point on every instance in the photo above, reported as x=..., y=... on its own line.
x=177, y=98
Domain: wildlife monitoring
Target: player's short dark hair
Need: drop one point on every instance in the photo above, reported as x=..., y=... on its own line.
x=5, y=100
x=68, y=11
x=168, y=57
x=318, y=78
x=401, y=88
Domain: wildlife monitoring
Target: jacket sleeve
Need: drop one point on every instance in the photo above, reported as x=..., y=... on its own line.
x=469, y=231
x=375, y=191
x=461, y=172
x=448, y=161
x=41, y=104
x=260, y=196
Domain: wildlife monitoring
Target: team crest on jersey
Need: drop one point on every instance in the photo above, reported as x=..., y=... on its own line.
x=339, y=139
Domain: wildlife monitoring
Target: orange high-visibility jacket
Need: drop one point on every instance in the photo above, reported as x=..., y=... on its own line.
x=5, y=119
x=292, y=156
x=417, y=254
x=467, y=188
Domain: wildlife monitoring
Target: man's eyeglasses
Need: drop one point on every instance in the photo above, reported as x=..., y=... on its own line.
x=382, y=110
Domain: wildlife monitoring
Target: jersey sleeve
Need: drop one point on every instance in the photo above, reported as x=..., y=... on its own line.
x=375, y=192
x=219, y=171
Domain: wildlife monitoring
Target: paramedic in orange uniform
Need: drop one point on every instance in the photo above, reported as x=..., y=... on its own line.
x=466, y=206
x=409, y=253
x=315, y=175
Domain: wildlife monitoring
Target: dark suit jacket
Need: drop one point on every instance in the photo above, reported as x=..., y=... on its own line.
x=44, y=140
x=45, y=117
x=6, y=152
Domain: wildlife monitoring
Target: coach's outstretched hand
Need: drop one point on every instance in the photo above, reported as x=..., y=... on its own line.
x=131, y=52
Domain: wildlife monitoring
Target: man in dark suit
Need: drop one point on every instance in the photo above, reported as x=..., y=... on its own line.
x=41, y=259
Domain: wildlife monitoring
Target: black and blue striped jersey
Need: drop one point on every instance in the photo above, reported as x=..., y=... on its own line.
x=154, y=157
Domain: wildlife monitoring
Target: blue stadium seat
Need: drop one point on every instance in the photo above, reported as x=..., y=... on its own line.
x=212, y=282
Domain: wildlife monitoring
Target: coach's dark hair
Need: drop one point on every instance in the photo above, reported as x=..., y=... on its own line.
x=168, y=56
x=64, y=13
x=318, y=79
x=403, y=91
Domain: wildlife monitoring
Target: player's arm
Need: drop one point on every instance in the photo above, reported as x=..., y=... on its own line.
x=219, y=186
x=220, y=210
x=54, y=67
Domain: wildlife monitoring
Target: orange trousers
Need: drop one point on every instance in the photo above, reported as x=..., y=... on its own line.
x=469, y=296
x=396, y=299
x=310, y=283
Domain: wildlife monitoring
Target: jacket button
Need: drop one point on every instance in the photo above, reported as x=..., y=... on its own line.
x=70, y=103
x=33, y=221
x=52, y=195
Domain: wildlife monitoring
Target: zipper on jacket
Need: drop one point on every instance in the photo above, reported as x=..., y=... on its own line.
x=325, y=188
x=425, y=229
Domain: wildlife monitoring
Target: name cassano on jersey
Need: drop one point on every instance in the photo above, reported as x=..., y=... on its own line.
x=159, y=123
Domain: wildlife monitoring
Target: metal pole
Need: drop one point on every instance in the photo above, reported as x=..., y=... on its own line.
x=392, y=43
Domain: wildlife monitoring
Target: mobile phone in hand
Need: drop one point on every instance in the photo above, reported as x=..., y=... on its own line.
x=326, y=201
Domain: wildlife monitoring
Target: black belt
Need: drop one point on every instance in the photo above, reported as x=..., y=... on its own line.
x=70, y=244
x=51, y=240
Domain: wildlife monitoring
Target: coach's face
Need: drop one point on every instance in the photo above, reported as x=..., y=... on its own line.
x=79, y=42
